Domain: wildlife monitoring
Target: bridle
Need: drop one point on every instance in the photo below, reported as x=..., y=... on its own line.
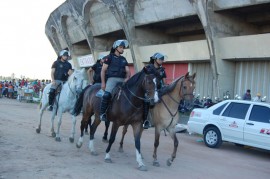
x=147, y=92
x=174, y=100
x=69, y=86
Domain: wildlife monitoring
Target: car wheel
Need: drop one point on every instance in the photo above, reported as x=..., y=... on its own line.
x=212, y=137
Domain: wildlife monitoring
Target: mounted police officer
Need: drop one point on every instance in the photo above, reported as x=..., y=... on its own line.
x=115, y=69
x=97, y=70
x=60, y=71
x=157, y=60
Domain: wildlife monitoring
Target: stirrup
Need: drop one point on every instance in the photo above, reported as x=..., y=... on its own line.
x=146, y=124
x=103, y=117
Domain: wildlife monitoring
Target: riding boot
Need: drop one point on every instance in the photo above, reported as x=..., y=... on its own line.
x=104, y=105
x=51, y=99
x=146, y=122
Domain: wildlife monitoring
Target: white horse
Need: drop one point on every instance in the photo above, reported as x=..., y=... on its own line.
x=66, y=100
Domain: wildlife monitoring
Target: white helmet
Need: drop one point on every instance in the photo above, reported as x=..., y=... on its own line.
x=101, y=56
x=118, y=43
x=159, y=56
x=64, y=52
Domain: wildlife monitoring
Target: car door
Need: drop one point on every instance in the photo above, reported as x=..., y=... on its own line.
x=257, y=127
x=232, y=121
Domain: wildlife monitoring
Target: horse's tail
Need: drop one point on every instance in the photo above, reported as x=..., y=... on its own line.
x=79, y=103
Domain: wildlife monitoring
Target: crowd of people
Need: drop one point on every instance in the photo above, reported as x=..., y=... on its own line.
x=10, y=89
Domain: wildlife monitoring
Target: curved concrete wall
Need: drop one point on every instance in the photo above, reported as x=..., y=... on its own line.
x=215, y=31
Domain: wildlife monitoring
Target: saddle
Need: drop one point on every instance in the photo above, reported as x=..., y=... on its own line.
x=57, y=91
x=116, y=92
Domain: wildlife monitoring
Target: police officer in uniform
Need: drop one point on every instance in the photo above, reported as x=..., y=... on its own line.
x=97, y=70
x=115, y=68
x=157, y=59
x=60, y=71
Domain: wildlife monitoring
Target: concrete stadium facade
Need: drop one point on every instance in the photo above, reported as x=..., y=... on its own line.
x=226, y=42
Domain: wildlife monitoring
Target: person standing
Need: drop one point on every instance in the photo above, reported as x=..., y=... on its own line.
x=97, y=70
x=115, y=68
x=257, y=98
x=247, y=95
x=60, y=71
x=157, y=60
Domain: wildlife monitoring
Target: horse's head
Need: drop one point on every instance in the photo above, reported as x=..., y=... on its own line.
x=186, y=90
x=150, y=85
x=76, y=80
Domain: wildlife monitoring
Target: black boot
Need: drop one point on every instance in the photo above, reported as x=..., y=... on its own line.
x=51, y=99
x=104, y=105
x=146, y=122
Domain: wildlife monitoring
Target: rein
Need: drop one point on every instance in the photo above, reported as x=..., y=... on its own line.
x=166, y=106
x=74, y=93
x=141, y=98
x=131, y=102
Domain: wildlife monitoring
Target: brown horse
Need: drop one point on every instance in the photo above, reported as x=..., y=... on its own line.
x=126, y=108
x=165, y=114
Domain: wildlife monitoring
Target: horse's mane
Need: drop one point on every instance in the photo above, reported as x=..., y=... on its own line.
x=134, y=79
x=70, y=78
x=169, y=88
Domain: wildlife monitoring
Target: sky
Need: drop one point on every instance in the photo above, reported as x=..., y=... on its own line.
x=24, y=47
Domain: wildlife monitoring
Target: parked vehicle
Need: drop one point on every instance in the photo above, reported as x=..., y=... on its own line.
x=238, y=121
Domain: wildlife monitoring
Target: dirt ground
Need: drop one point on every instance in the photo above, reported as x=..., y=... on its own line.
x=26, y=154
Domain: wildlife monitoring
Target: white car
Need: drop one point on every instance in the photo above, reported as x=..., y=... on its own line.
x=238, y=121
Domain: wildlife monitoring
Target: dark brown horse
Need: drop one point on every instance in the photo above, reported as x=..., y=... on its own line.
x=165, y=114
x=126, y=108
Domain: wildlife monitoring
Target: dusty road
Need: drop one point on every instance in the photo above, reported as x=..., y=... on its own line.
x=26, y=154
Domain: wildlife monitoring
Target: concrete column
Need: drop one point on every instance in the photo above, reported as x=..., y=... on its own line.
x=123, y=10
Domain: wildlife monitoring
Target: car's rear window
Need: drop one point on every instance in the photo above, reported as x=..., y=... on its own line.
x=236, y=110
x=219, y=109
x=260, y=114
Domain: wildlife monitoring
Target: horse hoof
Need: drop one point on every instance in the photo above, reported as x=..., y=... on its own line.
x=169, y=162
x=38, y=131
x=105, y=141
x=53, y=134
x=142, y=168
x=57, y=139
x=156, y=164
x=78, y=146
x=71, y=140
x=94, y=153
x=121, y=150
x=108, y=160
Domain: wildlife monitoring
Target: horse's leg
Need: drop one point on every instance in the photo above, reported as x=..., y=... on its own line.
x=84, y=123
x=71, y=138
x=156, y=144
x=105, y=136
x=137, y=129
x=175, y=141
x=86, y=127
x=52, y=122
x=57, y=138
x=93, y=129
x=114, y=130
x=40, y=117
x=122, y=140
